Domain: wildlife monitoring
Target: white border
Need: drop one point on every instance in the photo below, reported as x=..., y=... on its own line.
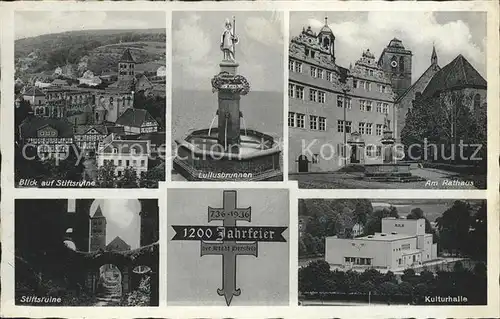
x=293, y=311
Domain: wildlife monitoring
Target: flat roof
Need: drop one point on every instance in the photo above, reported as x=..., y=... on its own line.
x=411, y=252
x=385, y=237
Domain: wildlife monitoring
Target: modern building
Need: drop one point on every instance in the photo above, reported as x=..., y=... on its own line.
x=123, y=154
x=336, y=114
x=402, y=244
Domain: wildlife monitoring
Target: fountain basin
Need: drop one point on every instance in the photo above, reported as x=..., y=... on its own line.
x=201, y=157
x=390, y=172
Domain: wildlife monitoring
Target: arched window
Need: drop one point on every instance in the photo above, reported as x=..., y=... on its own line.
x=477, y=102
x=326, y=42
x=401, y=64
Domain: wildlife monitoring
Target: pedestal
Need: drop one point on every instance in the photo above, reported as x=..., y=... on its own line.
x=229, y=120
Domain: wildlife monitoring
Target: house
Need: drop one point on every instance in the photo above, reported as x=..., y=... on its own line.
x=123, y=154
x=162, y=71
x=89, y=79
x=137, y=121
x=34, y=96
x=50, y=136
x=117, y=244
x=59, y=83
x=87, y=137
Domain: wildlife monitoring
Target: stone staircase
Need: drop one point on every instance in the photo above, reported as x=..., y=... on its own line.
x=110, y=294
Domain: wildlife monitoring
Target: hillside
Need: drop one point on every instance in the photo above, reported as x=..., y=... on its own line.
x=100, y=48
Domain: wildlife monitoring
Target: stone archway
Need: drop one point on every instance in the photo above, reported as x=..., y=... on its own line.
x=109, y=285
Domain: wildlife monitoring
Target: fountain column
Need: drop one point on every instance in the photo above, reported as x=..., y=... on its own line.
x=229, y=110
x=388, y=147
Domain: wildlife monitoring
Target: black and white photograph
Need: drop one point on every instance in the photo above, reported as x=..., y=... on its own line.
x=86, y=252
x=387, y=100
x=227, y=96
x=228, y=247
x=90, y=99
x=392, y=252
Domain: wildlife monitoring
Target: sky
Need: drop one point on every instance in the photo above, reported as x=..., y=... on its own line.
x=122, y=217
x=196, y=53
x=35, y=23
x=452, y=33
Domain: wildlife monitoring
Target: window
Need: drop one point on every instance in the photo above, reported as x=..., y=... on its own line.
x=369, y=127
x=329, y=76
x=370, y=72
x=298, y=67
x=301, y=120
x=362, y=105
x=134, y=162
x=348, y=126
x=127, y=163
x=315, y=158
x=322, y=123
x=313, y=53
x=314, y=72
x=361, y=128
x=313, y=95
x=299, y=92
x=132, y=150
x=365, y=85
x=369, y=86
x=340, y=100
x=143, y=162
x=119, y=162
x=370, y=150
x=321, y=97
x=379, y=88
x=378, y=151
x=291, y=119
x=384, y=89
x=340, y=126
x=119, y=173
x=361, y=84
x=291, y=65
x=405, y=246
x=477, y=102
x=368, y=106
x=341, y=150
x=320, y=73
x=385, y=108
x=378, y=129
x=115, y=150
x=379, y=107
x=313, y=122
x=291, y=90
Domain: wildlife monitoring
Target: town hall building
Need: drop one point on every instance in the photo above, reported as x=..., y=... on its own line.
x=331, y=106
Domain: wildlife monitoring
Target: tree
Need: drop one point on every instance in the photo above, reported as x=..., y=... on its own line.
x=129, y=178
x=417, y=213
x=454, y=225
x=106, y=175
x=314, y=276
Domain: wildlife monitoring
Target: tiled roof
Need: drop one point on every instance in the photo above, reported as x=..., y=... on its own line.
x=134, y=117
x=127, y=56
x=125, y=147
x=82, y=129
x=30, y=126
x=33, y=91
x=459, y=73
x=118, y=242
x=98, y=212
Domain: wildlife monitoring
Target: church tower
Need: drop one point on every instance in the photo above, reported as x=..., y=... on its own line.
x=434, y=57
x=97, y=230
x=326, y=39
x=396, y=61
x=126, y=67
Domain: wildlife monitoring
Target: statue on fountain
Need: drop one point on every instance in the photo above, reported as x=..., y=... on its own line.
x=228, y=41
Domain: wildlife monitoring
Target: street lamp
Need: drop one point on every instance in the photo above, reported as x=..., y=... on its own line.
x=345, y=88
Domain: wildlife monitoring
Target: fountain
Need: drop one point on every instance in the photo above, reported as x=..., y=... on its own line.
x=389, y=170
x=228, y=152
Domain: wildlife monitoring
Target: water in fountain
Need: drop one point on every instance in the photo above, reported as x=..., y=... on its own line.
x=212, y=124
x=244, y=125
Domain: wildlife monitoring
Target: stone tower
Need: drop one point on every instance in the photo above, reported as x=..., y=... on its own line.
x=126, y=67
x=97, y=230
x=326, y=39
x=396, y=61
